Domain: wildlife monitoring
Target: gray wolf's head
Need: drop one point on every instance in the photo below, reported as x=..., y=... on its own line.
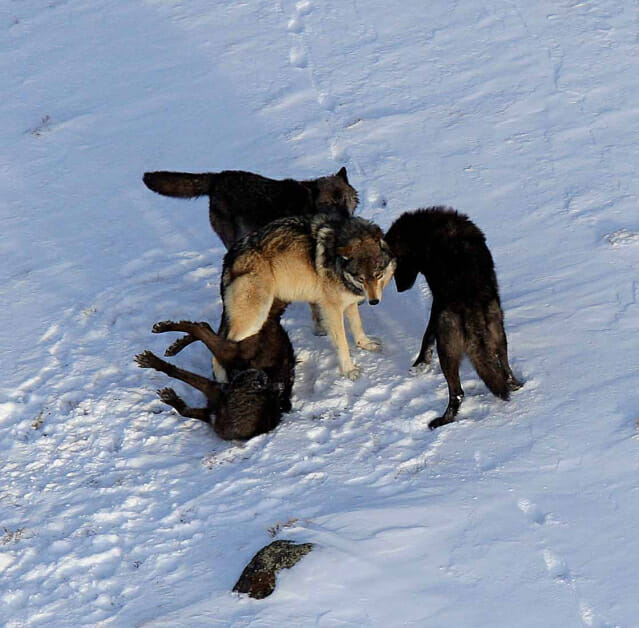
x=364, y=259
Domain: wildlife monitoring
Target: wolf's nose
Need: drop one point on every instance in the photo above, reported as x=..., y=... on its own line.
x=373, y=301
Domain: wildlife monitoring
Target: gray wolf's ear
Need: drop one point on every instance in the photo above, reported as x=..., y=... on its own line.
x=342, y=174
x=405, y=275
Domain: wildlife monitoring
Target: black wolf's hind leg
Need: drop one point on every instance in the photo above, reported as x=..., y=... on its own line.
x=426, y=352
x=170, y=397
x=177, y=345
x=147, y=359
x=226, y=351
x=502, y=355
x=450, y=348
x=513, y=382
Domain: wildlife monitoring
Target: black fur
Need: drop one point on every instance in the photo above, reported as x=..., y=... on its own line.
x=261, y=372
x=466, y=315
x=241, y=202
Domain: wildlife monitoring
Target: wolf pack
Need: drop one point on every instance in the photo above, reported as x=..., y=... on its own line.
x=290, y=240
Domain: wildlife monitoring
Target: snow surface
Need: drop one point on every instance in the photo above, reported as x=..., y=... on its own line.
x=117, y=512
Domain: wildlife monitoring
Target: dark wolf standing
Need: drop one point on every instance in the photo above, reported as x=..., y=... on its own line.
x=241, y=202
x=261, y=372
x=466, y=315
x=331, y=262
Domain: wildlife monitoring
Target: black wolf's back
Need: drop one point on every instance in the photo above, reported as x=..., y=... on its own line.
x=451, y=251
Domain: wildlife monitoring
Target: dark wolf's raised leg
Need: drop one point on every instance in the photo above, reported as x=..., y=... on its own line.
x=426, y=352
x=211, y=389
x=177, y=345
x=226, y=351
x=450, y=349
x=170, y=397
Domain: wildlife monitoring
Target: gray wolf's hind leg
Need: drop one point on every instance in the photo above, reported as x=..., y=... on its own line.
x=318, y=323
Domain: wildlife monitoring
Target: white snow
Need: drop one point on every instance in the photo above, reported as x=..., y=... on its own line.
x=115, y=511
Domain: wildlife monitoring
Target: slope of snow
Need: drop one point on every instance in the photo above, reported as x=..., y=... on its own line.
x=116, y=511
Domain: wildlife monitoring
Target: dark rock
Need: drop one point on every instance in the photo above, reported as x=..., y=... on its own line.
x=258, y=578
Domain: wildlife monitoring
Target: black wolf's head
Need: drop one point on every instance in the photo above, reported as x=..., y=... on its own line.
x=398, y=238
x=334, y=192
x=251, y=404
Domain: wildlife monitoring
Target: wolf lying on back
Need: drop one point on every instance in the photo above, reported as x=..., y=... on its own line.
x=466, y=315
x=261, y=372
x=334, y=263
x=241, y=202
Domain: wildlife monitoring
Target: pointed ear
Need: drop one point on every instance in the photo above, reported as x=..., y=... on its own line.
x=342, y=174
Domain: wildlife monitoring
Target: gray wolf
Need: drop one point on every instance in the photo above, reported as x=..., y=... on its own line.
x=466, y=315
x=261, y=372
x=332, y=262
x=241, y=202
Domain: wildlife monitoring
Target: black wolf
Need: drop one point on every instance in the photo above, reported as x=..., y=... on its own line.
x=241, y=202
x=466, y=315
x=261, y=372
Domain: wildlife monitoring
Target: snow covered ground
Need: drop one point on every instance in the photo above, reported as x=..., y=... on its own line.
x=114, y=511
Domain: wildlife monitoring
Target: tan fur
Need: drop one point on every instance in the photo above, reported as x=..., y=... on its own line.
x=283, y=267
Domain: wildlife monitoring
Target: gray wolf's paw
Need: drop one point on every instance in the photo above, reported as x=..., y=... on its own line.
x=354, y=373
x=319, y=329
x=370, y=344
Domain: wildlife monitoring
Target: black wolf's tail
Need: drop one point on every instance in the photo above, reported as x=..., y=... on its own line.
x=180, y=184
x=486, y=348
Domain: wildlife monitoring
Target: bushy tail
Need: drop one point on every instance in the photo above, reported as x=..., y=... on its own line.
x=179, y=184
x=486, y=347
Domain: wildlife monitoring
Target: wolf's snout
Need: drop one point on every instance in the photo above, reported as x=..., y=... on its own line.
x=373, y=301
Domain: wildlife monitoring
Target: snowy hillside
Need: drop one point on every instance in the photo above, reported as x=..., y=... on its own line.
x=115, y=511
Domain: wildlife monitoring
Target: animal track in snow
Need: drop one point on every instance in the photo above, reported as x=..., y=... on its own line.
x=532, y=511
x=298, y=57
x=622, y=237
x=556, y=565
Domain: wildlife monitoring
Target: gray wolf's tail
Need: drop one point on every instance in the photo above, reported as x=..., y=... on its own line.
x=180, y=184
x=486, y=348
